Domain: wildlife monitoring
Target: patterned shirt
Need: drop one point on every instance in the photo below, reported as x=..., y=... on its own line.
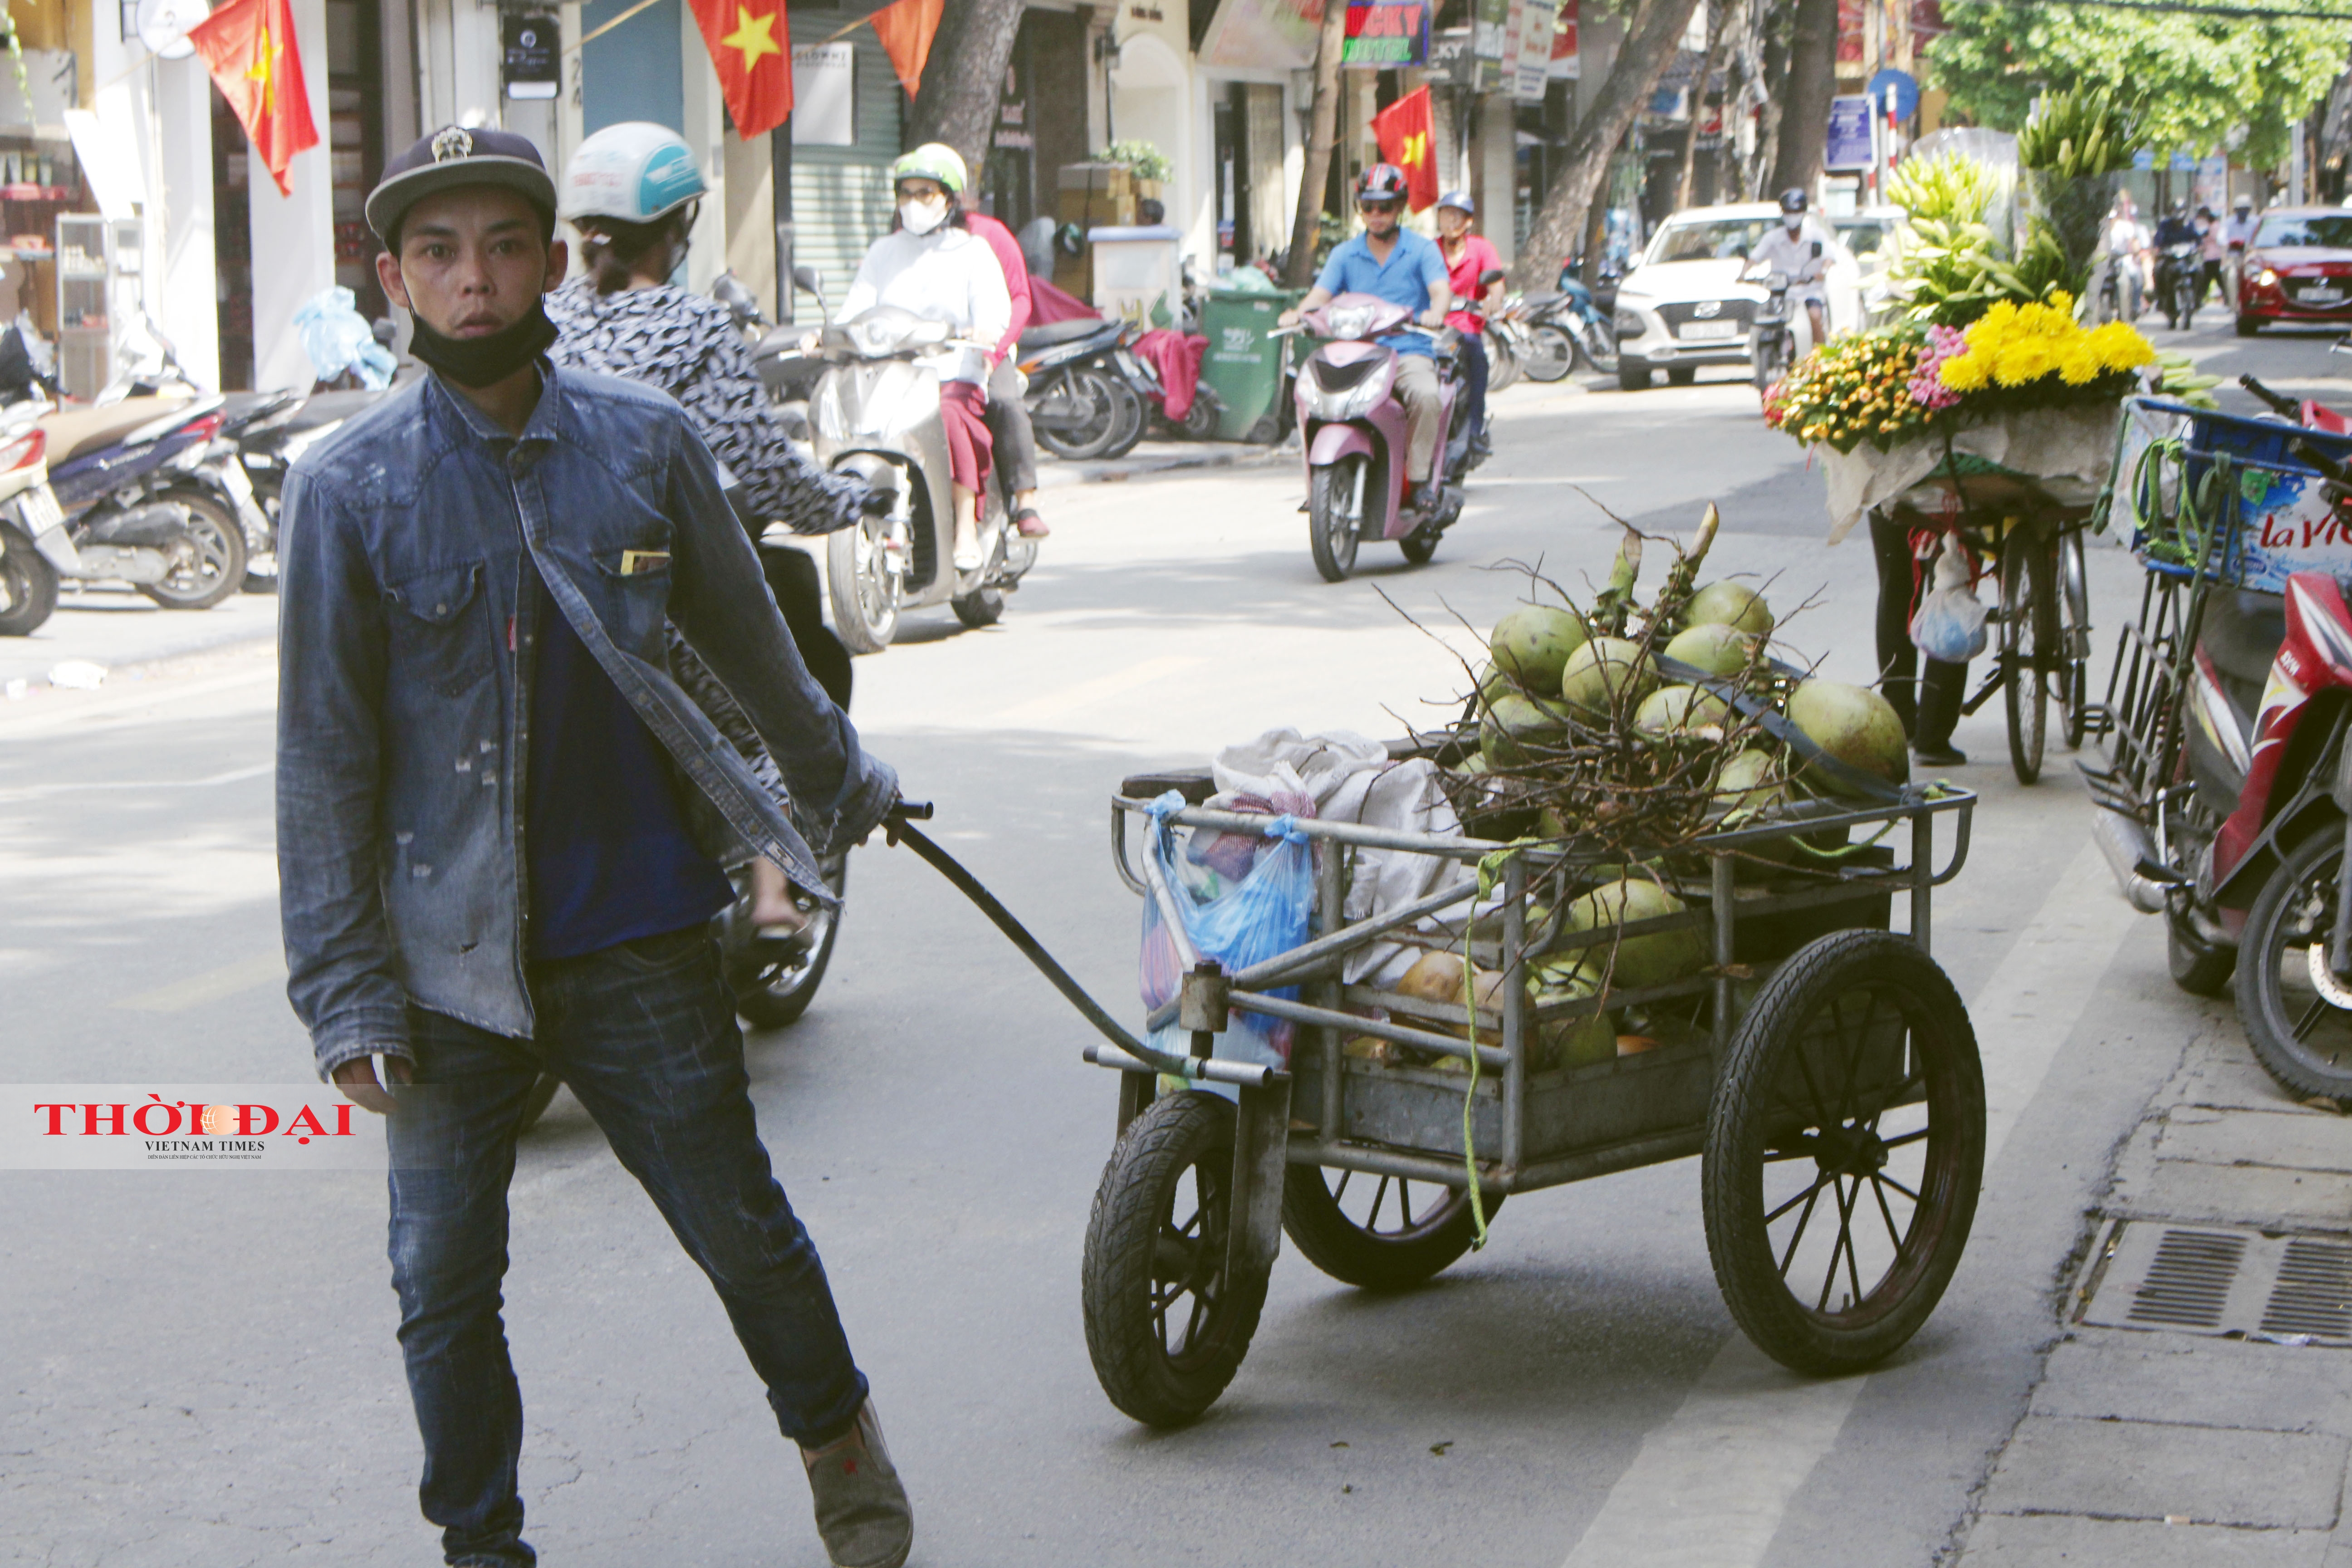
x=690, y=348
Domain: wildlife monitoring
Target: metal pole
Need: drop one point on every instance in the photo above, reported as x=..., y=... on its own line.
x=780, y=177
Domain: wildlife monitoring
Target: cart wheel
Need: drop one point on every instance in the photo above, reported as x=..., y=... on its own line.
x=1810, y=1164
x=2028, y=628
x=1376, y=1231
x=1164, y=1333
x=2073, y=684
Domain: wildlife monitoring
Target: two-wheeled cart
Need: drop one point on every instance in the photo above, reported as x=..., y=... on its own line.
x=1819, y=1062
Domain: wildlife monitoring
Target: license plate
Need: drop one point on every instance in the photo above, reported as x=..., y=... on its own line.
x=1707, y=331
x=38, y=508
x=2320, y=295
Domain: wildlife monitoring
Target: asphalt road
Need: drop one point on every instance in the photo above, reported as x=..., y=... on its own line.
x=198, y=1370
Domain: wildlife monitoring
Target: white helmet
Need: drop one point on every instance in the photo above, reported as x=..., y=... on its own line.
x=633, y=173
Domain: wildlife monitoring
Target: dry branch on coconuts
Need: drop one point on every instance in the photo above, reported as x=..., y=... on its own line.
x=1616, y=734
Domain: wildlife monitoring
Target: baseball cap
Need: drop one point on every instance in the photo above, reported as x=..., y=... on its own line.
x=459, y=155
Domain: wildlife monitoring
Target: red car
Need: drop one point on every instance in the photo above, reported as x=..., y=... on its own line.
x=2299, y=268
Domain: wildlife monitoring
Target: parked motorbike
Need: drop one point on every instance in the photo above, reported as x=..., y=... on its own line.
x=1353, y=433
x=1086, y=389
x=1575, y=316
x=274, y=432
x=2227, y=799
x=2176, y=284
x=34, y=547
x=876, y=413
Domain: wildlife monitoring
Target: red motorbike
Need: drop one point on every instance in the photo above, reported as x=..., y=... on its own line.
x=2227, y=787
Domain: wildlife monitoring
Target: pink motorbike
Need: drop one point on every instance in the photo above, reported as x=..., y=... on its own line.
x=1352, y=427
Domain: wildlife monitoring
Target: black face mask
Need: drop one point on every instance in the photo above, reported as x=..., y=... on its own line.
x=480, y=362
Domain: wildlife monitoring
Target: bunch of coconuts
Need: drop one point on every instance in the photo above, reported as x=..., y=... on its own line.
x=1576, y=711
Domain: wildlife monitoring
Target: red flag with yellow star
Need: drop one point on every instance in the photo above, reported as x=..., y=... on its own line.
x=751, y=48
x=248, y=46
x=1408, y=136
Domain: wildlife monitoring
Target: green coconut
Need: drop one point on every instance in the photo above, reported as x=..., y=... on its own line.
x=1494, y=683
x=1511, y=726
x=1733, y=604
x=1853, y=724
x=1679, y=709
x=1714, y=649
x=1533, y=643
x=1649, y=960
x=1605, y=671
x=1749, y=781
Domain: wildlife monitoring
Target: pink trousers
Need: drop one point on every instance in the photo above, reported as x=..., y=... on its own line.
x=968, y=450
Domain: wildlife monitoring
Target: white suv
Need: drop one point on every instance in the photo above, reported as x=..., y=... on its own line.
x=1684, y=305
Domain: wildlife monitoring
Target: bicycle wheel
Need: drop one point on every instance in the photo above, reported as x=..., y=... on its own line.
x=2028, y=626
x=2074, y=639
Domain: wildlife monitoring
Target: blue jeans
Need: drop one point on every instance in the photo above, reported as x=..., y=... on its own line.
x=645, y=1035
x=1474, y=383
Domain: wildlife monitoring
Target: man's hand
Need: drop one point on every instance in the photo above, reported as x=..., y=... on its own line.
x=359, y=1085
x=1288, y=319
x=1433, y=317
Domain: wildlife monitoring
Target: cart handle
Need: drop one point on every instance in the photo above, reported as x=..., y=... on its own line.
x=897, y=827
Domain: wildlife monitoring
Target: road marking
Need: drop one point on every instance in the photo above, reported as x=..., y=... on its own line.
x=235, y=776
x=194, y=992
x=1071, y=699
x=54, y=713
x=1709, y=1486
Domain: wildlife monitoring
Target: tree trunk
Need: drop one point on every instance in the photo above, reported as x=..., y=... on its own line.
x=1718, y=38
x=1642, y=59
x=1775, y=80
x=1805, y=111
x=964, y=78
x=1323, y=134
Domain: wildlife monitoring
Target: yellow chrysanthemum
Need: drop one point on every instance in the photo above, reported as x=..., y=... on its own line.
x=2078, y=363
x=2062, y=303
x=2119, y=346
x=2025, y=360
x=1963, y=373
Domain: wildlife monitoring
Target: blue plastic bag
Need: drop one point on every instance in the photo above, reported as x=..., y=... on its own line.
x=337, y=338
x=1240, y=922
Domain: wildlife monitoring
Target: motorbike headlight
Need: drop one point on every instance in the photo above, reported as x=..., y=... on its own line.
x=1351, y=322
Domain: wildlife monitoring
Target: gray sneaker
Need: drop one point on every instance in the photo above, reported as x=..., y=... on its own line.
x=861, y=1509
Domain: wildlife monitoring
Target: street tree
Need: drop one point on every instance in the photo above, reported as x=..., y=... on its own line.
x=2198, y=78
x=964, y=81
x=1323, y=133
x=1804, y=125
x=1652, y=31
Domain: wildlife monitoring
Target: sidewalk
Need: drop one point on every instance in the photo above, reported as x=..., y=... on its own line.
x=1162, y=457
x=2196, y=1408
x=115, y=628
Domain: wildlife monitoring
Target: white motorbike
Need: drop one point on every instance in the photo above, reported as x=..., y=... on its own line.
x=876, y=413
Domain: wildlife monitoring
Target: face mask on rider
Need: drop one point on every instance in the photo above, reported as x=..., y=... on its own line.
x=1792, y=222
x=922, y=216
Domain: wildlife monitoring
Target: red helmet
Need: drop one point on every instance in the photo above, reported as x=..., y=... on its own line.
x=1380, y=182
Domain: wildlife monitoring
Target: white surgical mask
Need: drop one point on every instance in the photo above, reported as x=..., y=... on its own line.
x=1792, y=222
x=921, y=217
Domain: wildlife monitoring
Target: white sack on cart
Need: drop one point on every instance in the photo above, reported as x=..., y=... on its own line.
x=1346, y=777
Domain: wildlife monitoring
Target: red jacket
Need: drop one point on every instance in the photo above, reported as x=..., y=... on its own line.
x=1016, y=275
x=1478, y=258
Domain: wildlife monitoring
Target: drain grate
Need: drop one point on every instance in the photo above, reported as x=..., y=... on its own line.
x=2213, y=1280
x=2188, y=1283
x=2315, y=1292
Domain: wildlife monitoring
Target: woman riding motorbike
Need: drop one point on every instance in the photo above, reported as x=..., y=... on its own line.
x=632, y=190
x=931, y=264
x=1470, y=262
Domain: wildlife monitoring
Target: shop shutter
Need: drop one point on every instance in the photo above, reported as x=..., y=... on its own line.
x=841, y=195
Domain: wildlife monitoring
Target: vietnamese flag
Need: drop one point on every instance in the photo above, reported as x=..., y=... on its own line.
x=248, y=46
x=906, y=30
x=1408, y=134
x=751, y=48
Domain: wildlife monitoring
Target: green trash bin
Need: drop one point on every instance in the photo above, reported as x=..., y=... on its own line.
x=1244, y=365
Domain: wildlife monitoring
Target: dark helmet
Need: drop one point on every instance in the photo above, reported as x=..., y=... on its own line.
x=1380, y=182
x=1460, y=200
x=1793, y=200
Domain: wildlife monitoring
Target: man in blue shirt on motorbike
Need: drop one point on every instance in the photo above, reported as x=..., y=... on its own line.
x=1405, y=268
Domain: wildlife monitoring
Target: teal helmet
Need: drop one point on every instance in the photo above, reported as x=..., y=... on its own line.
x=632, y=172
x=931, y=161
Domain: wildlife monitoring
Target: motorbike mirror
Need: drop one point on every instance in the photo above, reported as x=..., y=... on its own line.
x=729, y=291
x=1817, y=247
x=807, y=280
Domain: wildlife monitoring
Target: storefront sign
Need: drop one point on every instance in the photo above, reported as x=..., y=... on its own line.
x=533, y=48
x=1278, y=34
x=1849, y=137
x=1533, y=57
x=1385, y=34
x=825, y=95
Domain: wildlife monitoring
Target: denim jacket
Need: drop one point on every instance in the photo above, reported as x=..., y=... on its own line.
x=407, y=636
